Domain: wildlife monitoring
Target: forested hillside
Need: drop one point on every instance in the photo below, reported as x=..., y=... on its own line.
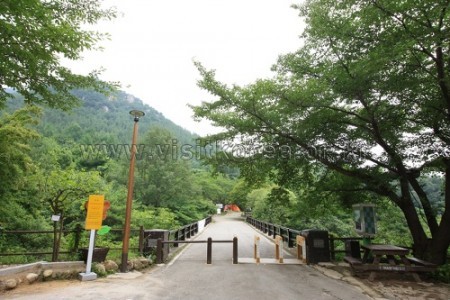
x=52, y=160
x=102, y=119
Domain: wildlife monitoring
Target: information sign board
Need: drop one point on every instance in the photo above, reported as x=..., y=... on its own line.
x=94, y=215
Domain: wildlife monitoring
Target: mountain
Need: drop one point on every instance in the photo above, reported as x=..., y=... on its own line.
x=103, y=119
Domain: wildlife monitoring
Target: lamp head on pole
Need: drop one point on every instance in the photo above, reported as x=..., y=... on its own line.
x=137, y=114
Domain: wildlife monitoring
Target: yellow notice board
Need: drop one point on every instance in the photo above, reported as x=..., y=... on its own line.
x=95, y=212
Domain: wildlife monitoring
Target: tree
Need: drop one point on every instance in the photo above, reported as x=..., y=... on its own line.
x=367, y=97
x=15, y=137
x=64, y=193
x=162, y=179
x=35, y=36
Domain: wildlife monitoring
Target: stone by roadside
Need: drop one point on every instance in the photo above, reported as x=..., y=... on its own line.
x=22, y=275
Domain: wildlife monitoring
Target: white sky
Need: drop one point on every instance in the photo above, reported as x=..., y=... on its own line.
x=153, y=45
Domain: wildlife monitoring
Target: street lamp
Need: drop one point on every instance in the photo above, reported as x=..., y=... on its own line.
x=126, y=232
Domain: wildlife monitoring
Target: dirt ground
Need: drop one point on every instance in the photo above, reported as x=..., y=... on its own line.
x=402, y=285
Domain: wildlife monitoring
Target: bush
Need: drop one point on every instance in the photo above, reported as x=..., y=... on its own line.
x=442, y=273
x=99, y=269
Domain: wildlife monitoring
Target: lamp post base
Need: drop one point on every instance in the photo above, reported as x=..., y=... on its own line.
x=124, y=264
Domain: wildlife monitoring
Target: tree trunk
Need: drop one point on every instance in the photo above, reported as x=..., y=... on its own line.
x=430, y=249
x=433, y=250
x=441, y=241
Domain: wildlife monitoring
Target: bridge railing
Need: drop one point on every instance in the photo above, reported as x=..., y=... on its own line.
x=288, y=234
x=187, y=231
x=337, y=244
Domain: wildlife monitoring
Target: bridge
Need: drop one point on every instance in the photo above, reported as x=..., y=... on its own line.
x=188, y=276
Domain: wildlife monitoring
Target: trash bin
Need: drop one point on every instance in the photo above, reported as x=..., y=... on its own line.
x=352, y=249
x=317, y=245
x=150, y=239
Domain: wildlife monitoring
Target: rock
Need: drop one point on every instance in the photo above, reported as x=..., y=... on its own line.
x=31, y=277
x=2, y=286
x=47, y=274
x=10, y=284
x=137, y=264
x=100, y=269
x=130, y=265
x=64, y=275
x=111, y=266
x=145, y=262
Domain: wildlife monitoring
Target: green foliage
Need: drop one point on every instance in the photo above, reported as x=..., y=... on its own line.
x=238, y=195
x=35, y=36
x=154, y=218
x=15, y=137
x=99, y=270
x=443, y=273
x=65, y=191
x=364, y=104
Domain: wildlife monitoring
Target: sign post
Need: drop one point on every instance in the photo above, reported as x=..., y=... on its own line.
x=94, y=220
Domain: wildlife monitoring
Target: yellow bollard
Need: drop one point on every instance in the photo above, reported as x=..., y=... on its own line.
x=278, y=251
x=300, y=247
x=256, y=254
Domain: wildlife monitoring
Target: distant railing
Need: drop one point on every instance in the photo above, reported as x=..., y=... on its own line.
x=288, y=234
x=186, y=232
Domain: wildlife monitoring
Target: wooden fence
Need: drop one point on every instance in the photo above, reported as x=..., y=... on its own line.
x=181, y=233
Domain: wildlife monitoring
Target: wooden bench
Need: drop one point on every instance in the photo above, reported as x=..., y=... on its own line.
x=425, y=265
x=417, y=265
x=355, y=264
x=353, y=260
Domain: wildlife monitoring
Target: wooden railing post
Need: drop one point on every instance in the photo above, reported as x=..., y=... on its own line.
x=188, y=231
x=141, y=240
x=208, y=251
x=235, y=250
x=159, y=251
x=290, y=239
x=176, y=238
x=332, y=249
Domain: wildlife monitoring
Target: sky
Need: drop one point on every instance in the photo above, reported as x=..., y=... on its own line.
x=153, y=44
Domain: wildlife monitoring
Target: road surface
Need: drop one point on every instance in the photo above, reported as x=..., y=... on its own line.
x=189, y=277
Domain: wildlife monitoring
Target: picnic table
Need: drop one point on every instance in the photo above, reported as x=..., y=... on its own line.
x=389, y=258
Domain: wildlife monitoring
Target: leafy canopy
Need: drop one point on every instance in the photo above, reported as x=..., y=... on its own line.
x=366, y=97
x=35, y=35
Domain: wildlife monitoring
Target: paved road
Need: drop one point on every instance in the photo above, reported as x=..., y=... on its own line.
x=189, y=277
